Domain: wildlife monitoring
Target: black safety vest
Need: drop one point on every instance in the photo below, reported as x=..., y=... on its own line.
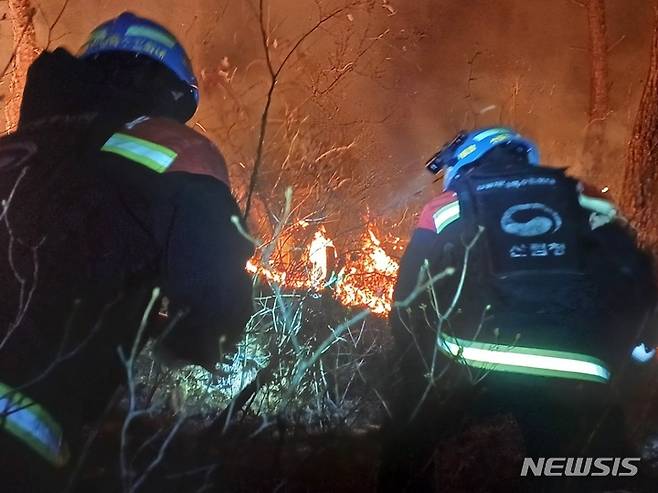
x=533, y=229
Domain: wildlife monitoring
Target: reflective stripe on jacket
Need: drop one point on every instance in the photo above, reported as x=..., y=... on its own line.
x=165, y=145
x=525, y=360
x=30, y=423
x=440, y=212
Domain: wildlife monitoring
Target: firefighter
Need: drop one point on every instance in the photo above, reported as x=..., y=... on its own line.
x=110, y=206
x=521, y=291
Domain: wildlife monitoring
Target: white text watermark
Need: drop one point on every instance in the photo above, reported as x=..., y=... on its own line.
x=580, y=466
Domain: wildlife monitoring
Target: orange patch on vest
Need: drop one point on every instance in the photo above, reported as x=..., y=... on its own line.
x=195, y=153
x=426, y=220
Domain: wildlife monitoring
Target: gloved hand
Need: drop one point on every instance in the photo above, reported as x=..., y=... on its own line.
x=642, y=354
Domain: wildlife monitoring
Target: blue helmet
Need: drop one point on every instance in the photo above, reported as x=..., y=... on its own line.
x=133, y=34
x=468, y=147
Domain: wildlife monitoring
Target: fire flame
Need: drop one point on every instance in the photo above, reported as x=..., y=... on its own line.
x=368, y=279
x=317, y=254
x=365, y=279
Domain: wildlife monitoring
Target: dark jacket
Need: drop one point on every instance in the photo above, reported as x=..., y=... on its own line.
x=591, y=303
x=89, y=232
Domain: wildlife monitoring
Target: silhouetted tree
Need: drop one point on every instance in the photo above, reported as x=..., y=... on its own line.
x=594, y=149
x=639, y=197
x=20, y=13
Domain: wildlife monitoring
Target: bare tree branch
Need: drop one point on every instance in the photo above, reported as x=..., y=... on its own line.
x=274, y=79
x=56, y=21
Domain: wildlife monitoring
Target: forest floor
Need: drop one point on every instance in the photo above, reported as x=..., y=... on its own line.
x=317, y=453
x=482, y=459
x=293, y=460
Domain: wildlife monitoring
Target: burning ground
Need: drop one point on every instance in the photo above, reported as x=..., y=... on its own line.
x=362, y=277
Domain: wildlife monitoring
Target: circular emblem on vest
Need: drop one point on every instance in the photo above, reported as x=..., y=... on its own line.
x=530, y=220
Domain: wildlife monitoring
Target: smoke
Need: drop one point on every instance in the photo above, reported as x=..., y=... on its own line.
x=399, y=78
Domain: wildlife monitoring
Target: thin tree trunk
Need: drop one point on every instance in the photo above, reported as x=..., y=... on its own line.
x=594, y=150
x=639, y=197
x=26, y=50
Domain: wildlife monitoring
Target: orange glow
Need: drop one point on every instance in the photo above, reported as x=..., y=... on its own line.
x=365, y=279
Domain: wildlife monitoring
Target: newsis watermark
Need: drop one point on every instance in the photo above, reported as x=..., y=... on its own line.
x=580, y=466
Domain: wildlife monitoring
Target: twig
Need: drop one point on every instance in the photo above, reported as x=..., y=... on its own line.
x=274, y=78
x=56, y=21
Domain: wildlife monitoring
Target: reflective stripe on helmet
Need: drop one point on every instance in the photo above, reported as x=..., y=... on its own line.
x=153, y=156
x=525, y=360
x=156, y=35
x=33, y=425
x=494, y=132
x=446, y=215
